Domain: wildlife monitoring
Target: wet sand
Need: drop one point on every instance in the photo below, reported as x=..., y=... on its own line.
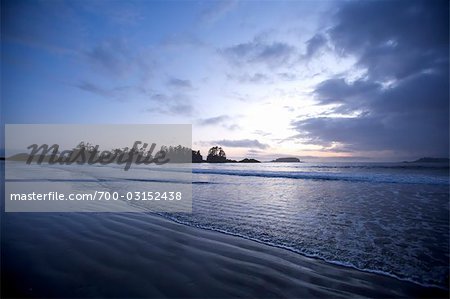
x=79, y=255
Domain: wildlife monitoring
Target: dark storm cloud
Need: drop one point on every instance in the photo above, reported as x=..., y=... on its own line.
x=314, y=44
x=405, y=43
x=337, y=90
x=393, y=38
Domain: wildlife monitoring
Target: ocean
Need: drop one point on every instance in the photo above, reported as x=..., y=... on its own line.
x=386, y=218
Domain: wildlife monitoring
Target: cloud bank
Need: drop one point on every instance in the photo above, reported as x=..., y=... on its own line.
x=401, y=104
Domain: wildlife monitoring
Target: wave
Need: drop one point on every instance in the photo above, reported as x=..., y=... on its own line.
x=316, y=255
x=403, y=166
x=376, y=178
x=305, y=175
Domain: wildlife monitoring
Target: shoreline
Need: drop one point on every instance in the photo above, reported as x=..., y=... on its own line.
x=314, y=257
x=146, y=255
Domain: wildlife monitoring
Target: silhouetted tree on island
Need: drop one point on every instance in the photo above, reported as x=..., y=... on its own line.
x=197, y=157
x=216, y=155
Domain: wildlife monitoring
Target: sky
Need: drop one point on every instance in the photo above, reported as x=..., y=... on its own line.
x=319, y=80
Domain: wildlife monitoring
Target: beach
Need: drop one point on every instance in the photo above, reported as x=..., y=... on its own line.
x=142, y=255
x=225, y=149
x=260, y=231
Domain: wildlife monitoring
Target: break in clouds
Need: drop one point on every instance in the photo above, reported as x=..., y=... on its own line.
x=401, y=104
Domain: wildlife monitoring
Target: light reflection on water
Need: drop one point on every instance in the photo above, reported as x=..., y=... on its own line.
x=395, y=220
x=401, y=229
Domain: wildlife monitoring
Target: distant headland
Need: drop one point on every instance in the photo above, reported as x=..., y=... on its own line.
x=430, y=160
